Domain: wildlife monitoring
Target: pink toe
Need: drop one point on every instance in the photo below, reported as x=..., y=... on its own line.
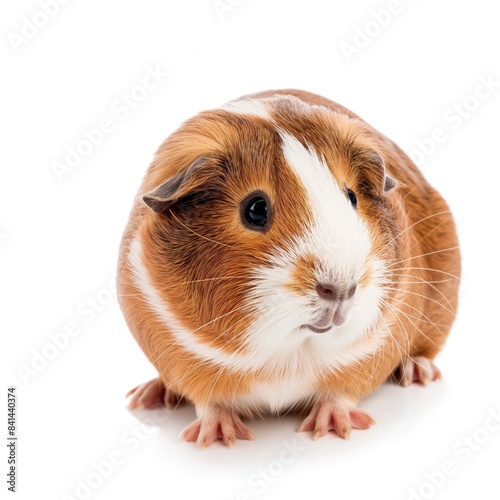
x=360, y=419
x=191, y=432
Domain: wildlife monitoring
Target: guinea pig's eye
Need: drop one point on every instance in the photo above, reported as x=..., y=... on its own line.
x=254, y=211
x=352, y=197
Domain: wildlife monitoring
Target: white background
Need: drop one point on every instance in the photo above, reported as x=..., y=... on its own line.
x=60, y=237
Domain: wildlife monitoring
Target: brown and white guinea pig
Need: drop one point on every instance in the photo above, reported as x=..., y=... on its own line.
x=282, y=254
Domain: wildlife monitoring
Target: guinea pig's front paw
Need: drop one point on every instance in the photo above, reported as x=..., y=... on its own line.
x=152, y=394
x=339, y=416
x=416, y=369
x=216, y=423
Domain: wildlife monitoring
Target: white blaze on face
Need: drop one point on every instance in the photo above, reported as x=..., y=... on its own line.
x=339, y=241
x=337, y=237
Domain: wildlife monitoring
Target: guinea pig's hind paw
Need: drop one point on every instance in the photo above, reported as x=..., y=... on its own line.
x=152, y=394
x=224, y=425
x=417, y=369
x=337, y=416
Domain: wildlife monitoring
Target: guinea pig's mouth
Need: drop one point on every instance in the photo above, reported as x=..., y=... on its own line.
x=315, y=329
x=329, y=319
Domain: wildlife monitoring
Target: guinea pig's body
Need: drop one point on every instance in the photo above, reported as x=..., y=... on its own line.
x=282, y=254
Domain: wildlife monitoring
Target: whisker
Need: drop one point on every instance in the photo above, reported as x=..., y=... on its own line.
x=402, y=290
x=400, y=348
x=415, y=326
x=188, y=371
x=418, y=311
x=425, y=282
x=226, y=364
x=430, y=232
x=425, y=254
x=197, y=234
x=422, y=280
x=200, y=327
x=426, y=269
x=403, y=362
x=406, y=332
x=408, y=193
x=418, y=222
x=427, y=321
x=161, y=289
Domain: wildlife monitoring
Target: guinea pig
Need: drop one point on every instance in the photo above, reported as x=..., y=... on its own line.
x=283, y=255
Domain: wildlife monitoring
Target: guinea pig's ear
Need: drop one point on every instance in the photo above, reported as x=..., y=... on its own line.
x=389, y=184
x=372, y=166
x=196, y=178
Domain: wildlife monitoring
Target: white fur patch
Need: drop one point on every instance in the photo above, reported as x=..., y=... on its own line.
x=339, y=238
x=275, y=396
x=247, y=107
x=158, y=305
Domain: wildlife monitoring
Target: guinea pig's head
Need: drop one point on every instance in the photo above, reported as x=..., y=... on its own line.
x=268, y=231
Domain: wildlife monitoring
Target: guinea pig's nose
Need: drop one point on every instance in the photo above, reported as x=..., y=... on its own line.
x=351, y=291
x=331, y=292
x=327, y=291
